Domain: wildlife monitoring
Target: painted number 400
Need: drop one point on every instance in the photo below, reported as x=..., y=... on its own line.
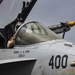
x=58, y=61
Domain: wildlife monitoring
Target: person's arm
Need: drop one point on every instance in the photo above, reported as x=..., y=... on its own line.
x=11, y=42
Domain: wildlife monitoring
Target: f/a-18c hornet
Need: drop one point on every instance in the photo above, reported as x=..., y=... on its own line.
x=35, y=49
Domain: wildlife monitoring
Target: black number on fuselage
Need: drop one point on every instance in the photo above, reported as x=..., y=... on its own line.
x=51, y=63
x=64, y=61
x=58, y=61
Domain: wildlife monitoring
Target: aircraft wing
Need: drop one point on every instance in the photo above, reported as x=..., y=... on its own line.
x=21, y=66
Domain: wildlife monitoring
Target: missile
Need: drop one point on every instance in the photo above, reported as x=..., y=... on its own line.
x=62, y=27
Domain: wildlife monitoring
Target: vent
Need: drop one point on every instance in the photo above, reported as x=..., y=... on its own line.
x=68, y=45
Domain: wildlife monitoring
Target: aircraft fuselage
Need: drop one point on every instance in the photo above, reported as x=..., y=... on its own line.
x=55, y=57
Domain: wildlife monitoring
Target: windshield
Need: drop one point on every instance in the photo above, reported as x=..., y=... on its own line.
x=34, y=32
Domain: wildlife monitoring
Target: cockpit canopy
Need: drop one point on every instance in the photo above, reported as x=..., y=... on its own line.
x=34, y=32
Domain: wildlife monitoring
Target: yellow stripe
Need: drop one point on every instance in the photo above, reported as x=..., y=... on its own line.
x=70, y=24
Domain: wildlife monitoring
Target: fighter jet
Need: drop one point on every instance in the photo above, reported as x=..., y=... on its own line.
x=37, y=51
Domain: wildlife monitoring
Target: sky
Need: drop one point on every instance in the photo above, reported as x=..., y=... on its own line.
x=48, y=12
